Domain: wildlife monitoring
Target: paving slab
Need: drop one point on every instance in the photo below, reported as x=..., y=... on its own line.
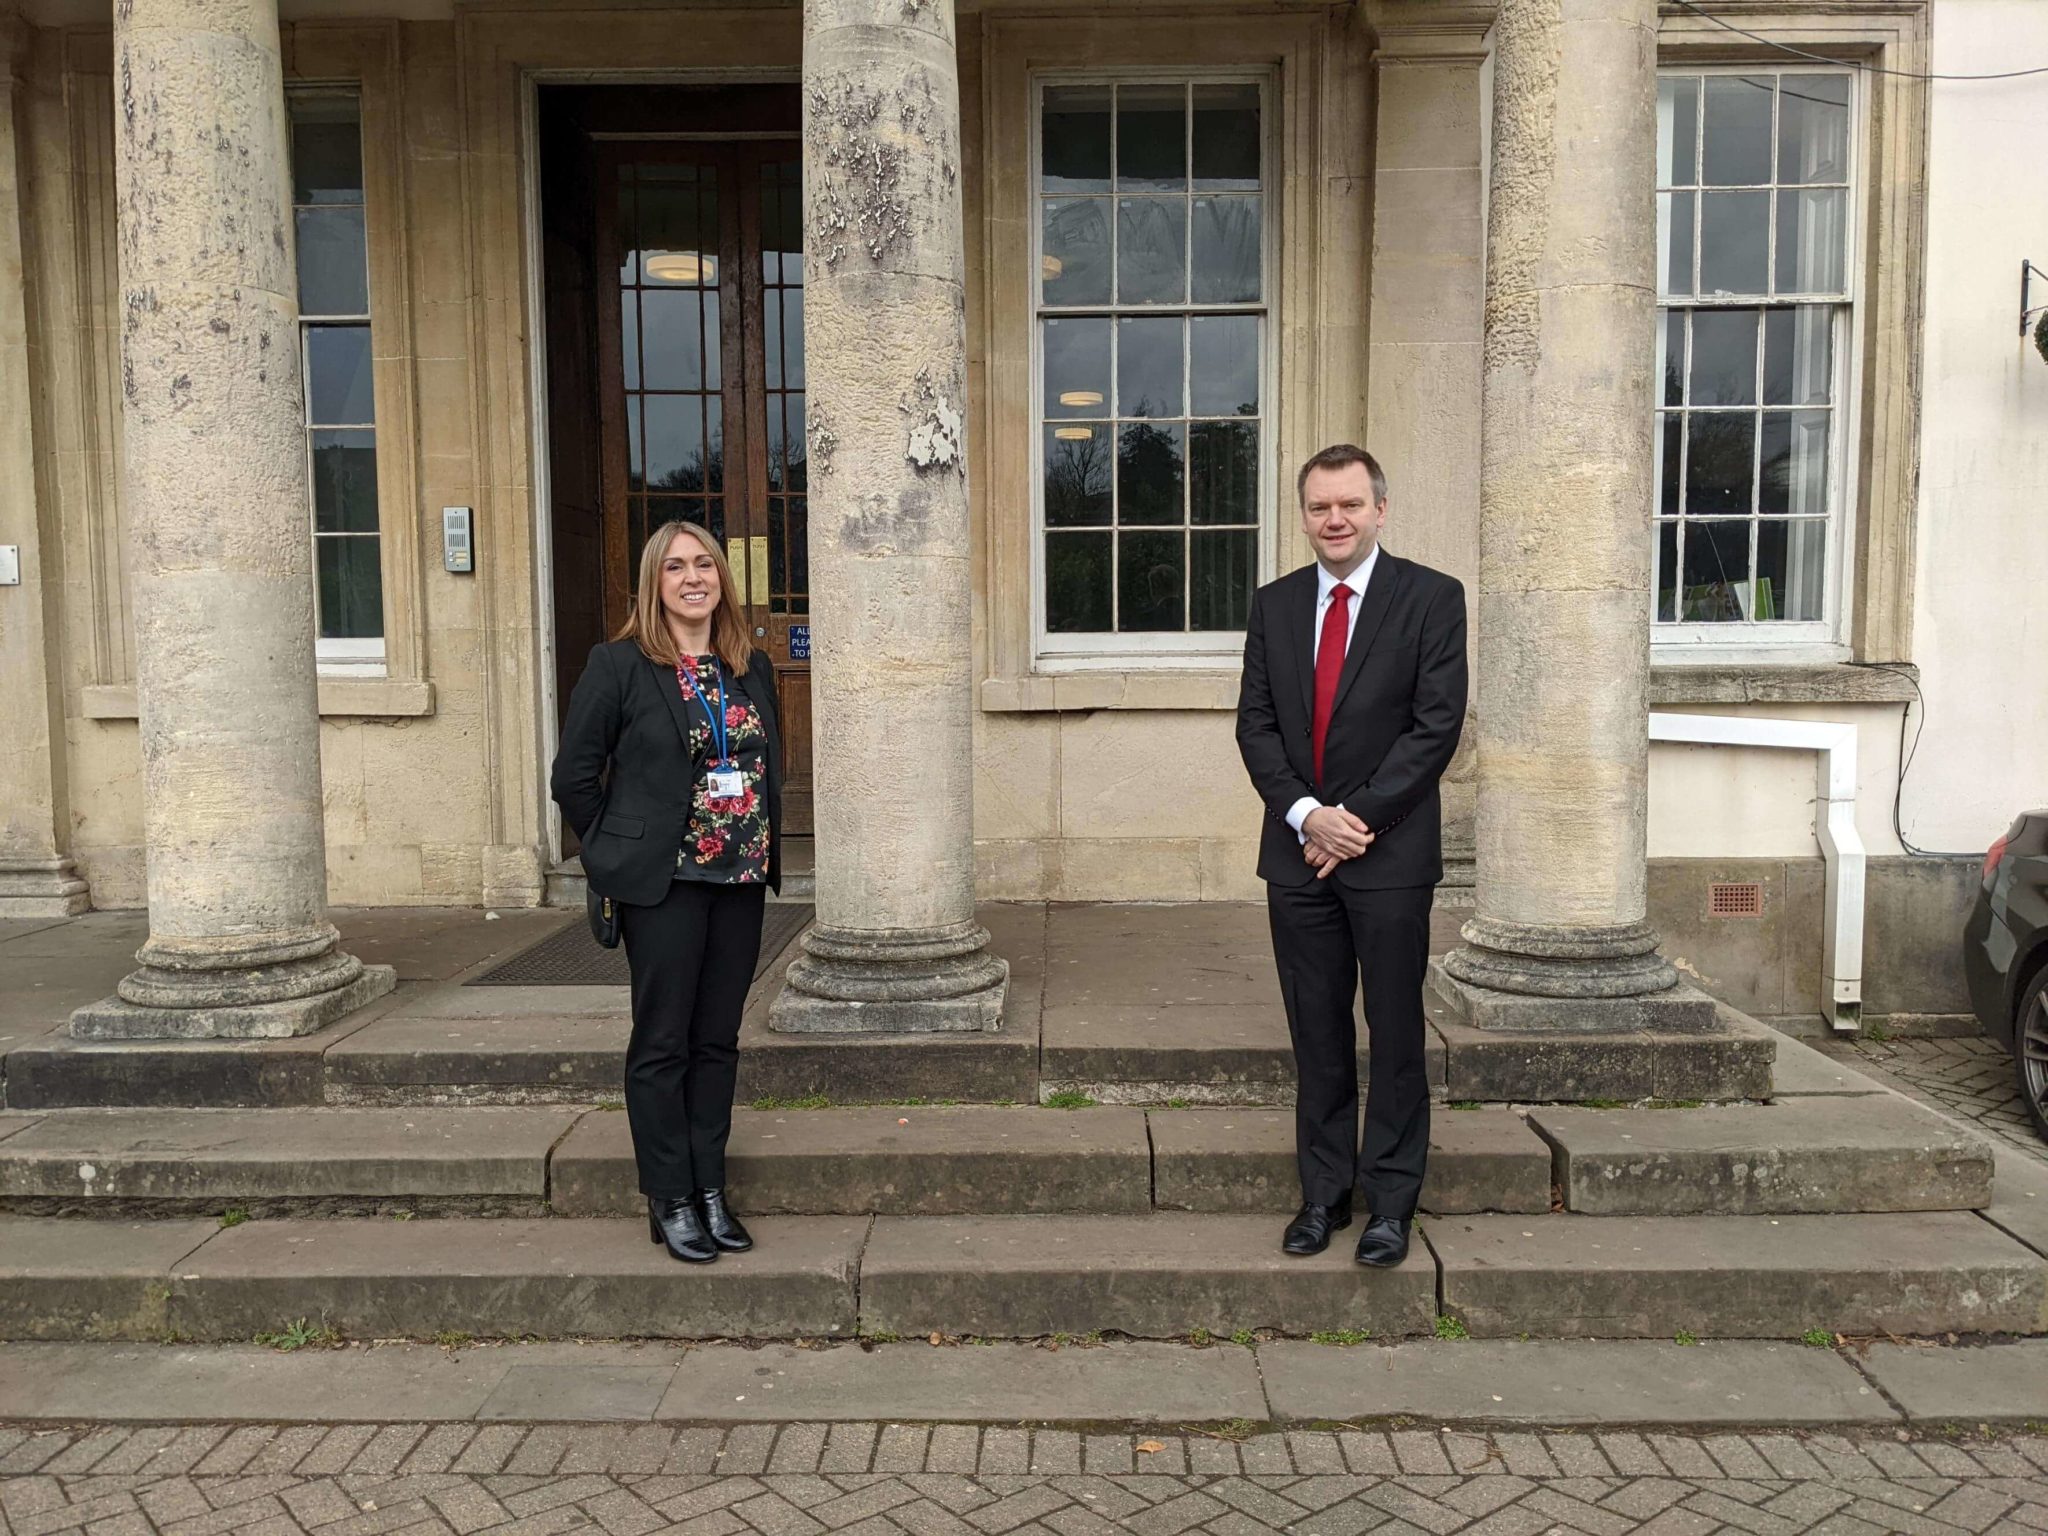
x=90, y=1279
x=442, y=943
x=1583, y=1381
x=486, y=1044
x=1814, y=1155
x=578, y=1390
x=1571, y=1276
x=54, y=1071
x=9, y=1124
x=92, y=1156
x=2003, y=1380
x=1243, y=1160
x=515, y=1278
x=900, y=1160
x=2019, y=1198
x=1803, y=1072
x=968, y=1383
x=163, y=1383
x=1159, y=1276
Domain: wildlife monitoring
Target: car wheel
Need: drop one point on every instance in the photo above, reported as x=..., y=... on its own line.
x=2030, y=1051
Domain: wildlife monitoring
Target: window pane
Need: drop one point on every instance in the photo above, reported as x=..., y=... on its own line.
x=1222, y=570
x=351, y=587
x=334, y=274
x=1724, y=357
x=1077, y=583
x=1077, y=462
x=673, y=348
x=338, y=391
x=1812, y=231
x=1678, y=106
x=1076, y=366
x=712, y=354
x=629, y=337
x=1791, y=560
x=771, y=338
x=629, y=257
x=1152, y=250
x=1151, y=138
x=344, y=482
x=1813, y=128
x=1716, y=573
x=1794, y=479
x=1799, y=355
x=1226, y=250
x=792, y=335
x=1671, y=357
x=327, y=149
x=1074, y=139
x=1735, y=230
x=1670, y=435
x=1675, y=213
x=1148, y=366
x=675, y=442
x=782, y=230
x=1223, y=472
x=1720, y=464
x=1667, y=572
x=636, y=468
x=1148, y=473
x=1227, y=138
x=1223, y=365
x=1151, y=582
x=1074, y=268
x=1738, y=139
x=799, y=465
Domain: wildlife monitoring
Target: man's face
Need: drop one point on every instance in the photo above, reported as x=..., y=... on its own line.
x=1340, y=516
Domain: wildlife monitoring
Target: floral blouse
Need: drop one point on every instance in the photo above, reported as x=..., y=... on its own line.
x=726, y=840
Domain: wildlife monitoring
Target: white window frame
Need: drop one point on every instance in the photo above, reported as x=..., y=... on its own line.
x=1825, y=640
x=359, y=656
x=1071, y=651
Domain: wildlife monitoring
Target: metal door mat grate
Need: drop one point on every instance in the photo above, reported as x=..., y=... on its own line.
x=570, y=957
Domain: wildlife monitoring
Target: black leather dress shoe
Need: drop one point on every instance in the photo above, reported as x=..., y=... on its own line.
x=1383, y=1243
x=679, y=1227
x=724, y=1227
x=1310, y=1230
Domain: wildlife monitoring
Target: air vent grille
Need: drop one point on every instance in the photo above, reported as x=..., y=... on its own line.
x=1735, y=898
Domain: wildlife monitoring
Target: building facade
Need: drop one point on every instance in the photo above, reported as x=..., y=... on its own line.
x=550, y=272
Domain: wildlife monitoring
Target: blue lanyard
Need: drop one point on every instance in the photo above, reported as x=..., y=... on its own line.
x=718, y=739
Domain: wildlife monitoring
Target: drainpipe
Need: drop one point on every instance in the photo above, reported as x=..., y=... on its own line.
x=1834, y=823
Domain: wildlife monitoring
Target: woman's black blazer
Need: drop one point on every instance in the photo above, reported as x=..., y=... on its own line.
x=624, y=774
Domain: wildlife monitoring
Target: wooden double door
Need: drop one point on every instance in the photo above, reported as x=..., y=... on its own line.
x=697, y=267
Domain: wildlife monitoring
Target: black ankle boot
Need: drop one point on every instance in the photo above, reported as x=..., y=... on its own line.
x=724, y=1227
x=677, y=1226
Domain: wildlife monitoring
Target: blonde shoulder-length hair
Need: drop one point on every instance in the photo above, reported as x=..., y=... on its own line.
x=647, y=626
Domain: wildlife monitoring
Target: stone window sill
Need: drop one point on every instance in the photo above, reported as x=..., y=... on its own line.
x=1048, y=692
x=340, y=697
x=1818, y=683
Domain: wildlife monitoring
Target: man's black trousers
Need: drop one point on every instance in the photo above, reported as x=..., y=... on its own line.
x=1325, y=938
x=692, y=958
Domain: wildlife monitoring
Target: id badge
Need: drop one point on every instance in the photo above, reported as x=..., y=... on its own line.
x=727, y=784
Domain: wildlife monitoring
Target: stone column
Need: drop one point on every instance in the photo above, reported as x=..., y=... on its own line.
x=37, y=877
x=214, y=484
x=1564, y=544
x=896, y=946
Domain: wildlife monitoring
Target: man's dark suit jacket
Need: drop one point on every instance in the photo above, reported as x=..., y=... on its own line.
x=1393, y=729
x=627, y=712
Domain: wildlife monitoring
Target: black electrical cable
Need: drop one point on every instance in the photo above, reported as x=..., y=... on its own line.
x=1906, y=757
x=1821, y=58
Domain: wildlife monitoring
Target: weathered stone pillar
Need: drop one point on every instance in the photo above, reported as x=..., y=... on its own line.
x=1564, y=555
x=37, y=877
x=896, y=946
x=214, y=484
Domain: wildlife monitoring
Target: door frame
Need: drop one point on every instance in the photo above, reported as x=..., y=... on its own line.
x=534, y=302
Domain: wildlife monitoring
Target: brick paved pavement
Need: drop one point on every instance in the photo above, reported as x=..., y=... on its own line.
x=960, y=1480
x=1968, y=1076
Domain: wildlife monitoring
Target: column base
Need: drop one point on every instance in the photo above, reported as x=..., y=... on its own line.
x=1678, y=1009
x=895, y=983
x=42, y=888
x=115, y=1018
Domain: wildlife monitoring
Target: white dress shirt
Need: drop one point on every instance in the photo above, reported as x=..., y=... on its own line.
x=1326, y=583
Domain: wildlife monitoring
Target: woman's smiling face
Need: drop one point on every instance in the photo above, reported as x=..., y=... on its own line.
x=689, y=581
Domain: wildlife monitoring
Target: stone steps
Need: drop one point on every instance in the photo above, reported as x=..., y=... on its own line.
x=1156, y=1275
x=1818, y=1155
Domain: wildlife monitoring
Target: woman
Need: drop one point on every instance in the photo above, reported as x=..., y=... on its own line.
x=671, y=773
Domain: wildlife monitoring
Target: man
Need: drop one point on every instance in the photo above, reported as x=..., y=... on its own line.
x=1350, y=711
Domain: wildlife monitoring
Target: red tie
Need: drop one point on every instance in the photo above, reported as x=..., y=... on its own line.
x=1330, y=664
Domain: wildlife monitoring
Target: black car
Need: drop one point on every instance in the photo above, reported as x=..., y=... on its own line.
x=2005, y=955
